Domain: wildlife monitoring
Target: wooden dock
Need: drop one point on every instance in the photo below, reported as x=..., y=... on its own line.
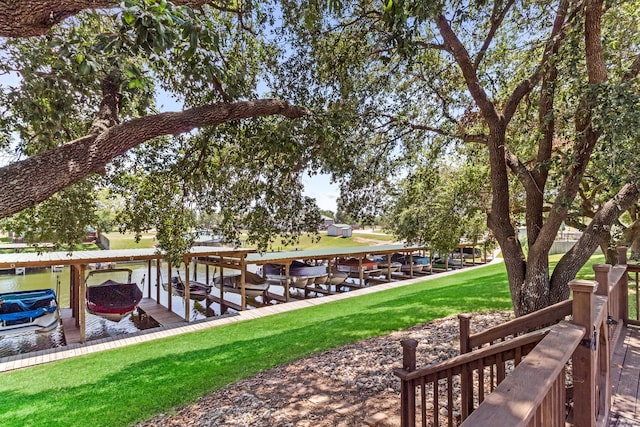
x=159, y=313
x=70, y=330
x=224, y=304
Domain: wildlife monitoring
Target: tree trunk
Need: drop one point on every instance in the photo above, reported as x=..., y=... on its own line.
x=28, y=18
x=598, y=229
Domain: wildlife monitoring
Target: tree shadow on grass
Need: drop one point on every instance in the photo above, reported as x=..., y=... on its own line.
x=140, y=381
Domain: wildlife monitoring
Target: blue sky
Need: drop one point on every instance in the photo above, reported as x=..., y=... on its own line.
x=318, y=187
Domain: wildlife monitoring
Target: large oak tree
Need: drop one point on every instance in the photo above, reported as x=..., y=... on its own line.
x=545, y=86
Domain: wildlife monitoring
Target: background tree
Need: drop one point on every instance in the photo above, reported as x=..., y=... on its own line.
x=532, y=83
x=327, y=213
x=441, y=204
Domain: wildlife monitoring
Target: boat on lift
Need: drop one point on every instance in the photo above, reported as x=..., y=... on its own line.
x=112, y=299
x=254, y=284
x=28, y=311
x=197, y=291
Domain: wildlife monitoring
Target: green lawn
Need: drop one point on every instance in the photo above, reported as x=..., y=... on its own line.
x=128, y=241
x=122, y=386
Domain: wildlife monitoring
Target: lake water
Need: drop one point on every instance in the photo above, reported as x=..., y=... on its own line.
x=96, y=327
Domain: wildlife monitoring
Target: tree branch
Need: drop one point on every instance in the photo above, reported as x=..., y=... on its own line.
x=28, y=18
x=467, y=137
x=589, y=241
x=553, y=43
x=587, y=136
x=633, y=71
x=454, y=45
x=520, y=170
x=427, y=45
x=496, y=20
x=37, y=178
x=596, y=67
x=108, y=115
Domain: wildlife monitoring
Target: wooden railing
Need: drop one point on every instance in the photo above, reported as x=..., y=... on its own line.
x=634, y=295
x=508, y=389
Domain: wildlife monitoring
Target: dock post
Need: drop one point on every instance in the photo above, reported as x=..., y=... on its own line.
x=243, y=278
x=158, y=278
x=187, y=291
x=286, y=281
x=195, y=269
x=73, y=292
x=169, y=290
x=223, y=307
x=389, y=267
x=82, y=314
x=149, y=276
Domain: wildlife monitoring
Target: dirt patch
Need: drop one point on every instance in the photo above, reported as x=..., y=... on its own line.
x=352, y=385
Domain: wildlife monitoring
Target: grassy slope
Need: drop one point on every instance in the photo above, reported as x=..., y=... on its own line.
x=126, y=385
x=127, y=241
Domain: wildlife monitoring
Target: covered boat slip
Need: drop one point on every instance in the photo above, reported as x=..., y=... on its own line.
x=81, y=261
x=472, y=253
x=74, y=320
x=315, y=257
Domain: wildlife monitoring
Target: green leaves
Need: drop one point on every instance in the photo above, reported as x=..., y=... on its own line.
x=438, y=204
x=63, y=219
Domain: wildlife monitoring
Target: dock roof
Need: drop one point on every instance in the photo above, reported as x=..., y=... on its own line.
x=47, y=259
x=356, y=251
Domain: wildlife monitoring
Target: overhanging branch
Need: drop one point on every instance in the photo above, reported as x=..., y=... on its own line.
x=28, y=18
x=555, y=39
x=37, y=178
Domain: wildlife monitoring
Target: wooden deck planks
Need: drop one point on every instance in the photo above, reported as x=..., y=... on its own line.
x=159, y=313
x=70, y=330
x=626, y=379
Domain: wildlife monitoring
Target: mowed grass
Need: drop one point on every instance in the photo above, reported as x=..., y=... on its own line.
x=122, y=386
x=128, y=241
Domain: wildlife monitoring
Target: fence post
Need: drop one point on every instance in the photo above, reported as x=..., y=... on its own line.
x=602, y=277
x=584, y=357
x=407, y=388
x=465, y=329
x=466, y=385
x=624, y=285
x=622, y=255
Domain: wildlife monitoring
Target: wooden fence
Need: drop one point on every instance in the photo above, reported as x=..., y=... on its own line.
x=492, y=382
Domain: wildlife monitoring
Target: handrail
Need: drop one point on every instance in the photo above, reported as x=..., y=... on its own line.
x=634, y=316
x=523, y=324
x=456, y=363
x=616, y=273
x=519, y=398
x=534, y=391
